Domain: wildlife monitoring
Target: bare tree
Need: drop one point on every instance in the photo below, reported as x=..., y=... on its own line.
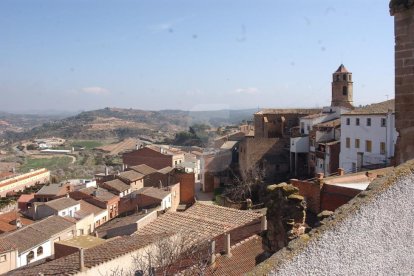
x=182, y=253
x=241, y=188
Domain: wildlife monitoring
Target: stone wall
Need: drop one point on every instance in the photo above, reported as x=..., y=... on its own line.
x=403, y=12
x=371, y=235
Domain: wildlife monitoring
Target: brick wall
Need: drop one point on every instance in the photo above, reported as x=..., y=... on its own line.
x=147, y=156
x=187, y=187
x=311, y=191
x=404, y=82
x=334, y=196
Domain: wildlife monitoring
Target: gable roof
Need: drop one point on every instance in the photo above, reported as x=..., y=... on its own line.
x=116, y=185
x=86, y=208
x=99, y=193
x=143, y=169
x=61, y=203
x=373, y=109
x=131, y=175
x=203, y=220
x=36, y=233
x=166, y=170
x=94, y=256
x=153, y=192
x=51, y=189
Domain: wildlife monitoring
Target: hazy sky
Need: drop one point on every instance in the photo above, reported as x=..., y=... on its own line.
x=193, y=54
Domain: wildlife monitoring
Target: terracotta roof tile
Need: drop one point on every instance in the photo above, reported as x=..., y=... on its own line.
x=131, y=175
x=377, y=108
x=116, y=185
x=143, y=169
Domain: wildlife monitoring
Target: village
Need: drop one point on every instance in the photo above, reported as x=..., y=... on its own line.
x=291, y=192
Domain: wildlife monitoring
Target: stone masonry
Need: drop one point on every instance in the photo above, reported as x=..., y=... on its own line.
x=403, y=12
x=286, y=216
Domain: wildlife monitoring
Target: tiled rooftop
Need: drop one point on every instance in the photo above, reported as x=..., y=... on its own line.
x=98, y=193
x=61, y=203
x=143, y=169
x=87, y=208
x=377, y=108
x=116, y=185
x=204, y=220
x=38, y=232
x=243, y=258
x=131, y=175
x=51, y=189
x=289, y=111
x=153, y=192
x=69, y=265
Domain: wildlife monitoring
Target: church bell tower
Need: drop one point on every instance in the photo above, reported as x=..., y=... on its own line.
x=342, y=87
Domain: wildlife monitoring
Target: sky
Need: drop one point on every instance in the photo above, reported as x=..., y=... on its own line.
x=72, y=55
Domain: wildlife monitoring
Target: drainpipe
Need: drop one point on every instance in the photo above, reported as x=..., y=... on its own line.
x=212, y=252
x=227, y=248
x=81, y=260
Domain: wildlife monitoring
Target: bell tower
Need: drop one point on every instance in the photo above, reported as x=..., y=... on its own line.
x=342, y=88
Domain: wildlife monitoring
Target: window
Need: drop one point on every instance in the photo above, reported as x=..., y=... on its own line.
x=348, y=142
x=357, y=143
x=3, y=258
x=39, y=250
x=302, y=127
x=344, y=77
x=30, y=256
x=63, y=213
x=368, y=145
x=308, y=127
x=383, y=122
x=349, y=78
x=368, y=121
x=344, y=90
x=348, y=121
x=382, y=148
x=357, y=121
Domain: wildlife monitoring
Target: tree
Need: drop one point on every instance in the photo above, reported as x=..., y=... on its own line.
x=241, y=188
x=183, y=251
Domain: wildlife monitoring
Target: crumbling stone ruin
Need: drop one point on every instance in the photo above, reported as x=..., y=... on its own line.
x=286, y=213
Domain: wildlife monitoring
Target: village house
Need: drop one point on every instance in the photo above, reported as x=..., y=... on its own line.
x=99, y=197
x=151, y=197
x=63, y=207
x=153, y=156
x=13, y=220
x=22, y=181
x=35, y=242
x=8, y=256
x=74, y=245
x=100, y=215
x=134, y=179
x=125, y=226
x=53, y=191
x=153, y=177
x=368, y=137
x=267, y=149
x=315, y=143
x=117, y=187
x=200, y=222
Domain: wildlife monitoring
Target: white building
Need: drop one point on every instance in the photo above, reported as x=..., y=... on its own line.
x=64, y=207
x=368, y=136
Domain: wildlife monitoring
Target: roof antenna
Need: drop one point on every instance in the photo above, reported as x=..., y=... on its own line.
x=386, y=95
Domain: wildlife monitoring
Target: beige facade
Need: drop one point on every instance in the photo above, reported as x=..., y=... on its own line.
x=8, y=261
x=20, y=182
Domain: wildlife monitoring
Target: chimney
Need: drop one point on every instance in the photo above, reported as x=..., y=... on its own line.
x=212, y=252
x=13, y=170
x=19, y=223
x=341, y=171
x=263, y=224
x=136, y=147
x=319, y=175
x=106, y=171
x=123, y=167
x=81, y=260
x=227, y=245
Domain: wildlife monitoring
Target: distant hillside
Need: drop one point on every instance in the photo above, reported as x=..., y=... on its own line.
x=122, y=123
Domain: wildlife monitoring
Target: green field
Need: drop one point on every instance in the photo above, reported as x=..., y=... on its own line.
x=87, y=144
x=48, y=163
